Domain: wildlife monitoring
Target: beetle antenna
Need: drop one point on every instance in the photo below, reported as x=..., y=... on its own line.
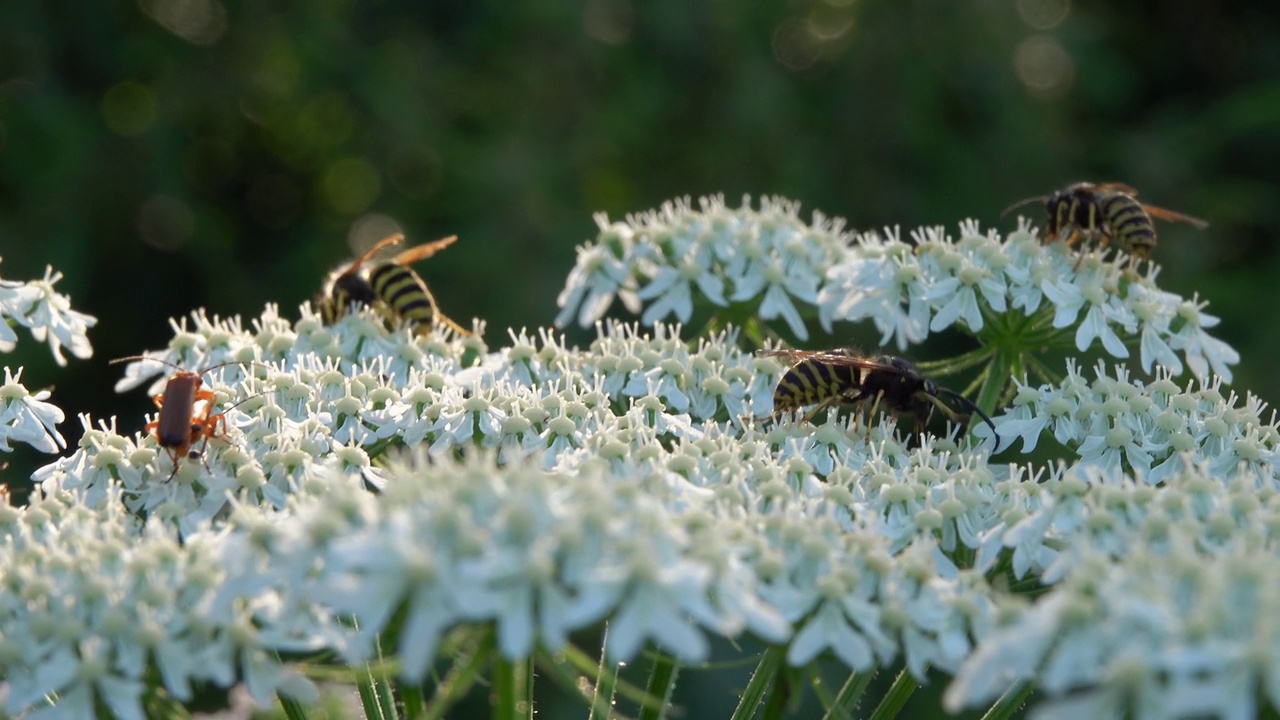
x=128, y=358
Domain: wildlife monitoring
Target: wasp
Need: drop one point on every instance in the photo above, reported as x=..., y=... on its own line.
x=180, y=424
x=390, y=285
x=1109, y=212
x=842, y=376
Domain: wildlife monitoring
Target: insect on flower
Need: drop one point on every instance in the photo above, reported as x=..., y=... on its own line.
x=180, y=424
x=1107, y=212
x=843, y=377
x=389, y=285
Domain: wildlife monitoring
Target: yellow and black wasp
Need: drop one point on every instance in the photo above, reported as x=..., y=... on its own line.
x=844, y=377
x=1107, y=212
x=389, y=285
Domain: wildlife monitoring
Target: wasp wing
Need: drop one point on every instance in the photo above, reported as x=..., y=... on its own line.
x=1163, y=214
x=1116, y=187
x=843, y=357
x=423, y=251
x=354, y=267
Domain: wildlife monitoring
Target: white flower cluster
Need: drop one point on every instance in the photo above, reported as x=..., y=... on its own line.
x=376, y=487
x=294, y=398
x=1148, y=430
x=630, y=480
x=765, y=258
x=25, y=416
x=95, y=603
x=1163, y=601
x=36, y=306
x=907, y=290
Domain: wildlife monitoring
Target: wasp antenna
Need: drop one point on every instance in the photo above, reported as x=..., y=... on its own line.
x=985, y=418
x=1020, y=203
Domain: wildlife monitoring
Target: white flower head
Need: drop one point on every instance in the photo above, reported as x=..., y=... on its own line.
x=678, y=256
x=47, y=314
x=967, y=282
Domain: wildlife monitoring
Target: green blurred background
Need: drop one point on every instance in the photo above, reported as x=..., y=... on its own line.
x=173, y=154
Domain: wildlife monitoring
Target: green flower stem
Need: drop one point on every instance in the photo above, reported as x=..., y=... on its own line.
x=511, y=689
x=997, y=377
x=894, y=700
x=1012, y=341
x=468, y=667
x=775, y=707
x=412, y=700
x=762, y=680
x=371, y=692
x=607, y=684
x=662, y=682
x=1010, y=702
x=960, y=363
x=846, y=701
x=293, y=709
x=376, y=693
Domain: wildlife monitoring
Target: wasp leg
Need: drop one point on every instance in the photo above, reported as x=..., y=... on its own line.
x=442, y=319
x=820, y=407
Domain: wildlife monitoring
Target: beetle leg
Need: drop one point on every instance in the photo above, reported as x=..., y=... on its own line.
x=216, y=426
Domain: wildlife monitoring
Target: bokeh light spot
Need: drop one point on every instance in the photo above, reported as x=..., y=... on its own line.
x=129, y=108
x=827, y=24
x=1044, y=14
x=370, y=229
x=1044, y=66
x=350, y=185
x=277, y=74
x=794, y=45
x=274, y=200
x=165, y=222
x=200, y=22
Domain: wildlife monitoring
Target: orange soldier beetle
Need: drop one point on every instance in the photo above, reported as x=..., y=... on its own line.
x=179, y=425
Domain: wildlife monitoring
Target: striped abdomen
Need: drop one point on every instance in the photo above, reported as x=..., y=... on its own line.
x=1128, y=223
x=404, y=293
x=813, y=381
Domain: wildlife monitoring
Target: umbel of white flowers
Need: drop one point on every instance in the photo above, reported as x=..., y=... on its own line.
x=771, y=261
x=640, y=481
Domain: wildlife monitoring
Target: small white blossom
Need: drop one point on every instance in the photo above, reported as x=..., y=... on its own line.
x=26, y=417
x=47, y=314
